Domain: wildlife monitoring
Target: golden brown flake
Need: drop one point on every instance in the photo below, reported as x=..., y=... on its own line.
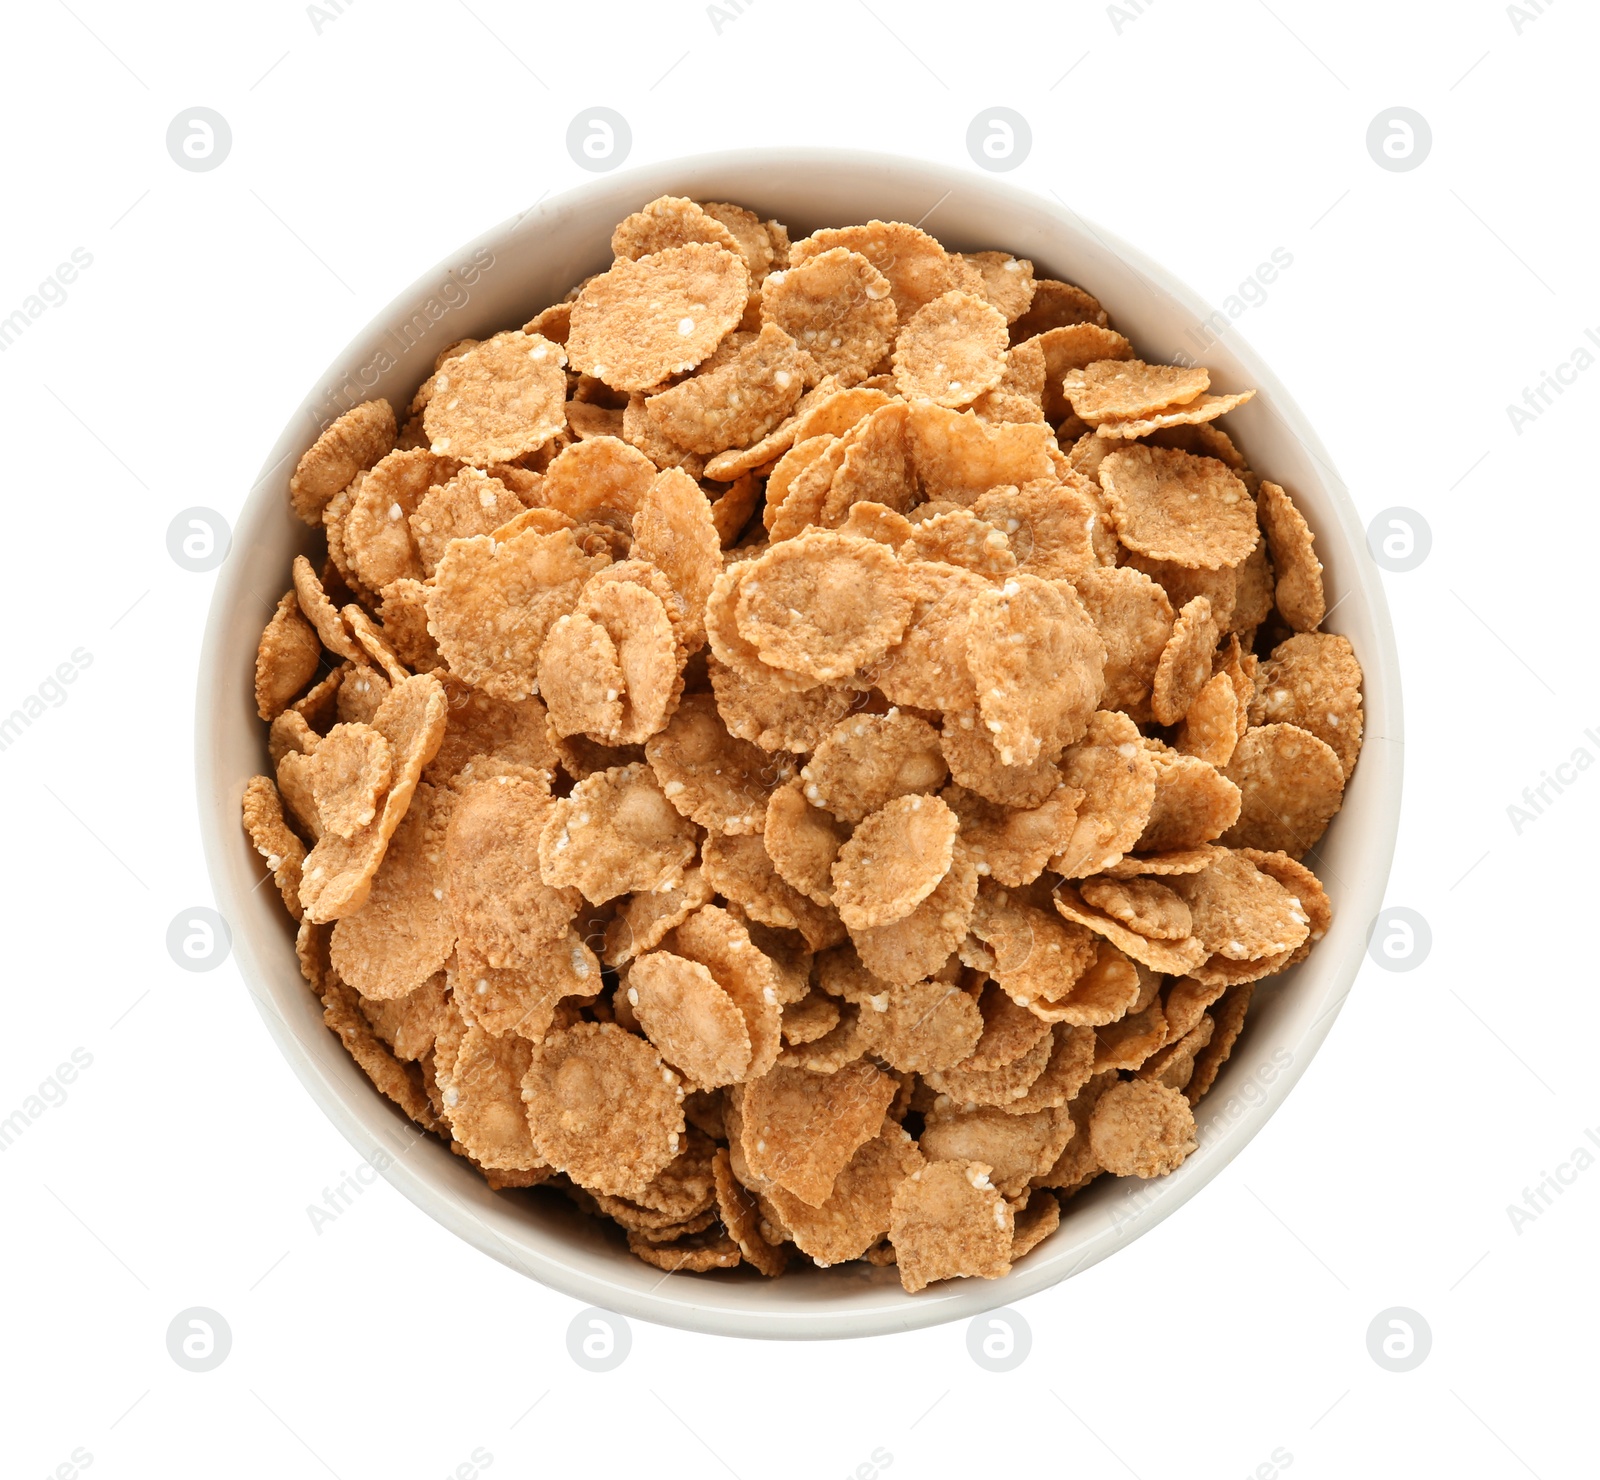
x=615, y=833
x=1054, y=306
x=803, y=841
x=1201, y=409
x=1191, y=510
x=741, y=1216
x=669, y=221
x=856, y=1212
x=404, y=932
x=721, y=943
x=1229, y=1015
x=1007, y=281
x=1299, y=590
x=814, y=1016
x=837, y=307
x=644, y=320
x=928, y=667
x=947, y=1221
x=1140, y=1128
x=470, y=503
x=976, y=765
x=1210, y=728
x=738, y=402
x=286, y=659
x=696, y=1025
x=484, y=1101
x=271, y=837
x=824, y=605
x=1117, y=777
x=1038, y=663
x=639, y=434
x=721, y=782
x=867, y=760
x=960, y=537
x=1143, y=905
x=1013, y=844
x=644, y=920
x=915, y=946
x=800, y=1129
x=915, y=266
x=893, y=861
x=958, y=457
x=1241, y=912
x=599, y=480
x=1185, y=662
x=498, y=401
x=1129, y=389
x=603, y=1108
x=740, y=869
x=500, y=904
x=1291, y=784
x=674, y=531
x=399, y=1081
x=1194, y=803
x=338, y=871
x=876, y=466
x=1134, y=618
x=1314, y=681
x=408, y=1025
x=493, y=605
x=773, y=717
x=1170, y=956
x=950, y=351
x=346, y=447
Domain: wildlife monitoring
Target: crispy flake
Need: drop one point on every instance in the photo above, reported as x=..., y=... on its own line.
x=271, y=837
x=906, y=950
x=1128, y=389
x=1314, y=681
x=824, y=605
x=404, y=932
x=694, y=1023
x=947, y=1221
x=493, y=605
x=800, y=1128
x=669, y=221
x=1117, y=777
x=346, y=447
x=286, y=658
x=644, y=320
x=950, y=351
x=499, y=400
x=1291, y=784
x=893, y=861
x=1140, y=1128
x=721, y=782
x=1185, y=662
x=1191, y=510
x=603, y=1108
x=1174, y=957
x=837, y=307
x=338, y=871
x=1299, y=590
x=1038, y=663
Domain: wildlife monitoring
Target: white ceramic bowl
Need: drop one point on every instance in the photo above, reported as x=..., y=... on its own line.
x=499, y=281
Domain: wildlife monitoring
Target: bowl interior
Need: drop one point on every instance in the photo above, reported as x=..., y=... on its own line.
x=499, y=281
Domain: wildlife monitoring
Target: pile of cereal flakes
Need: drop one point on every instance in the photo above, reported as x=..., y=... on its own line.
x=804, y=748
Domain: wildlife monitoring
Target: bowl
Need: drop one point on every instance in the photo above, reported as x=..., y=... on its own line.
x=500, y=280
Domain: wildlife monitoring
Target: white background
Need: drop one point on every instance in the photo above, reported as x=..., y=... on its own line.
x=179, y=1168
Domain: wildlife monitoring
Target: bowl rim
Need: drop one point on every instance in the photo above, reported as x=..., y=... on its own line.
x=380, y=1133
